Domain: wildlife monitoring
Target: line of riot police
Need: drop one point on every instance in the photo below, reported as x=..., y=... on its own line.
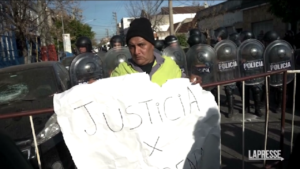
x=241, y=55
x=233, y=56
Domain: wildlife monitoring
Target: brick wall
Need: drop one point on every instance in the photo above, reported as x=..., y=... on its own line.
x=259, y=14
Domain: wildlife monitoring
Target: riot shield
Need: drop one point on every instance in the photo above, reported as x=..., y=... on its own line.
x=82, y=63
x=279, y=55
x=226, y=61
x=101, y=55
x=200, y=61
x=113, y=58
x=178, y=55
x=251, y=58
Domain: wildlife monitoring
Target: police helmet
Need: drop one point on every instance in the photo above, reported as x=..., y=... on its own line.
x=84, y=42
x=270, y=36
x=194, y=32
x=116, y=39
x=170, y=39
x=235, y=37
x=222, y=33
x=85, y=67
x=196, y=39
x=244, y=35
x=159, y=45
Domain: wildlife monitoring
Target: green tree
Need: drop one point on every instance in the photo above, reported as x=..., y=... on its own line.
x=287, y=10
x=182, y=40
x=75, y=28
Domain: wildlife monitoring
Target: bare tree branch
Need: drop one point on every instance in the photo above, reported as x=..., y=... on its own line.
x=149, y=9
x=25, y=18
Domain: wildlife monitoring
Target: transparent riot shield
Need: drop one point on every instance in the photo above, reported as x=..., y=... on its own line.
x=83, y=67
x=200, y=61
x=113, y=58
x=279, y=55
x=251, y=60
x=226, y=61
x=178, y=55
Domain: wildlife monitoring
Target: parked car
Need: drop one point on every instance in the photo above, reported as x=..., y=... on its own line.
x=31, y=87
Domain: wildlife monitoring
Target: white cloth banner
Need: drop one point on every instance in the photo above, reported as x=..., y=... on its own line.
x=128, y=122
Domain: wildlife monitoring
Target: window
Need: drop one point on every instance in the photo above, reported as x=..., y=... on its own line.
x=27, y=84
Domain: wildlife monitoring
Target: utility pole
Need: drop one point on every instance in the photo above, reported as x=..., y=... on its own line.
x=116, y=20
x=171, y=17
x=107, y=33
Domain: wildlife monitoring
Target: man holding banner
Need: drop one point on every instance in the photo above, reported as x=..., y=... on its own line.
x=140, y=41
x=172, y=124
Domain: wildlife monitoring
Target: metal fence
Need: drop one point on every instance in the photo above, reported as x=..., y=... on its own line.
x=218, y=84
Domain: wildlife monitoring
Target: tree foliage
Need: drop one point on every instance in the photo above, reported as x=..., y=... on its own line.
x=287, y=10
x=28, y=19
x=182, y=40
x=74, y=27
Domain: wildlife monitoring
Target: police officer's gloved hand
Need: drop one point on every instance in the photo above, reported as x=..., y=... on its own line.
x=195, y=79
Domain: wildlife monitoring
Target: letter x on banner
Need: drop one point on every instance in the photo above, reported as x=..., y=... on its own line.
x=128, y=122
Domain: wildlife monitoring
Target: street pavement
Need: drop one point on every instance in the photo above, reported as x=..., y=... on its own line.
x=254, y=134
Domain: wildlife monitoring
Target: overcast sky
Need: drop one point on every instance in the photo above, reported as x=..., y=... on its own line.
x=98, y=14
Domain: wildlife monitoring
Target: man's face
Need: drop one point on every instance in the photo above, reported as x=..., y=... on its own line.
x=117, y=45
x=82, y=49
x=174, y=44
x=219, y=39
x=141, y=50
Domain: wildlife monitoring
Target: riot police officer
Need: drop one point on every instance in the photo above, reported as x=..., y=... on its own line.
x=222, y=34
x=85, y=68
x=116, y=41
x=159, y=45
x=171, y=41
x=269, y=37
x=196, y=39
x=84, y=45
x=235, y=37
x=194, y=32
x=256, y=89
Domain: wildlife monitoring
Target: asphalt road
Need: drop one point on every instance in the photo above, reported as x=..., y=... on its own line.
x=254, y=135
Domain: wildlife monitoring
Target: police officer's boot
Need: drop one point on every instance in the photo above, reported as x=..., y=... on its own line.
x=230, y=98
x=257, y=100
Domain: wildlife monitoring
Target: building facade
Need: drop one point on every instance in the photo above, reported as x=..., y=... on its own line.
x=125, y=23
x=180, y=15
x=9, y=54
x=240, y=15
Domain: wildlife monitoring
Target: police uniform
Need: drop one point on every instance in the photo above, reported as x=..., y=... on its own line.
x=222, y=34
x=256, y=89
